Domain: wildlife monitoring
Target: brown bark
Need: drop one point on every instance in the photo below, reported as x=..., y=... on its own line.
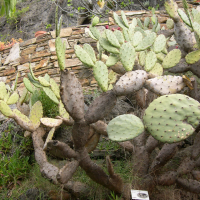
x=60, y=149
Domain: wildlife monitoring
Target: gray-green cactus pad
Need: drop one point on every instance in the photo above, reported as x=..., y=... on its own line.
x=172, y=118
x=124, y=127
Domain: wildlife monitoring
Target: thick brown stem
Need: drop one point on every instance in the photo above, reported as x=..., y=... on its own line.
x=166, y=179
x=66, y=173
x=100, y=127
x=113, y=182
x=165, y=154
x=60, y=149
x=186, y=166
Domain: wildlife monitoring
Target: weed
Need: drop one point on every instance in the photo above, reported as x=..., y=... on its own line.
x=50, y=108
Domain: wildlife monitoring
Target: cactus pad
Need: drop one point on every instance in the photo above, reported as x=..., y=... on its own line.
x=100, y=71
x=172, y=118
x=124, y=127
x=157, y=70
x=13, y=98
x=55, y=88
x=125, y=21
x=50, y=122
x=165, y=84
x=184, y=17
x=43, y=81
x=119, y=36
x=107, y=46
x=150, y=60
x=90, y=51
x=60, y=52
x=63, y=113
x=95, y=32
x=127, y=56
x=172, y=58
x=95, y=21
x=28, y=85
x=142, y=58
x=3, y=90
x=112, y=60
x=33, y=81
x=118, y=20
x=5, y=109
x=50, y=94
x=130, y=81
x=112, y=38
x=36, y=113
x=159, y=43
x=193, y=57
x=137, y=38
x=146, y=42
x=83, y=56
x=49, y=137
x=170, y=23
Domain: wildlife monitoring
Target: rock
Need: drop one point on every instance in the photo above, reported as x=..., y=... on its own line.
x=33, y=194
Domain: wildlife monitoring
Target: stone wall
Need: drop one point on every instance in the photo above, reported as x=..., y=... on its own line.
x=41, y=52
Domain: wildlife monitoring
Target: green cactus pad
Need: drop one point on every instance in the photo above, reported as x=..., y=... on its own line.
x=184, y=17
x=5, y=109
x=118, y=20
x=34, y=98
x=43, y=81
x=112, y=38
x=63, y=113
x=172, y=118
x=127, y=56
x=141, y=30
x=146, y=42
x=146, y=22
x=157, y=28
x=55, y=88
x=50, y=94
x=172, y=59
x=83, y=56
x=90, y=34
x=119, y=36
x=170, y=23
x=3, y=90
x=31, y=71
x=50, y=122
x=14, y=86
x=60, y=52
x=165, y=51
x=47, y=77
x=112, y=77
x=100, y=71
x=13, y=98
x=160, y=56
x=95, y=32
x=142, y=58
x=23, y=96
x=130, y=82
x=107, y=46
x=23, y=121
x=137, y=38
x=165, y=84
x=95, y=21
x=196, y=17
x=134, y=22
x=36, y=113
x=49, y=137
x=131, y=30
x=197, y=28
x=157, y=70
x=90, y=52
x=124, y=127
x=150, y=60
x=34, y=82
x=7, y=95
x=193, y=57
x=125, y=21
x=28, y=85
x=112, y=60
x=126, y=34
x=159, y=44
x=139, y=23
x=171, y=8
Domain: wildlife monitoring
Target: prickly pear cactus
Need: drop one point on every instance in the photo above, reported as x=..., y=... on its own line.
x=124, y=127
x=172, y=118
